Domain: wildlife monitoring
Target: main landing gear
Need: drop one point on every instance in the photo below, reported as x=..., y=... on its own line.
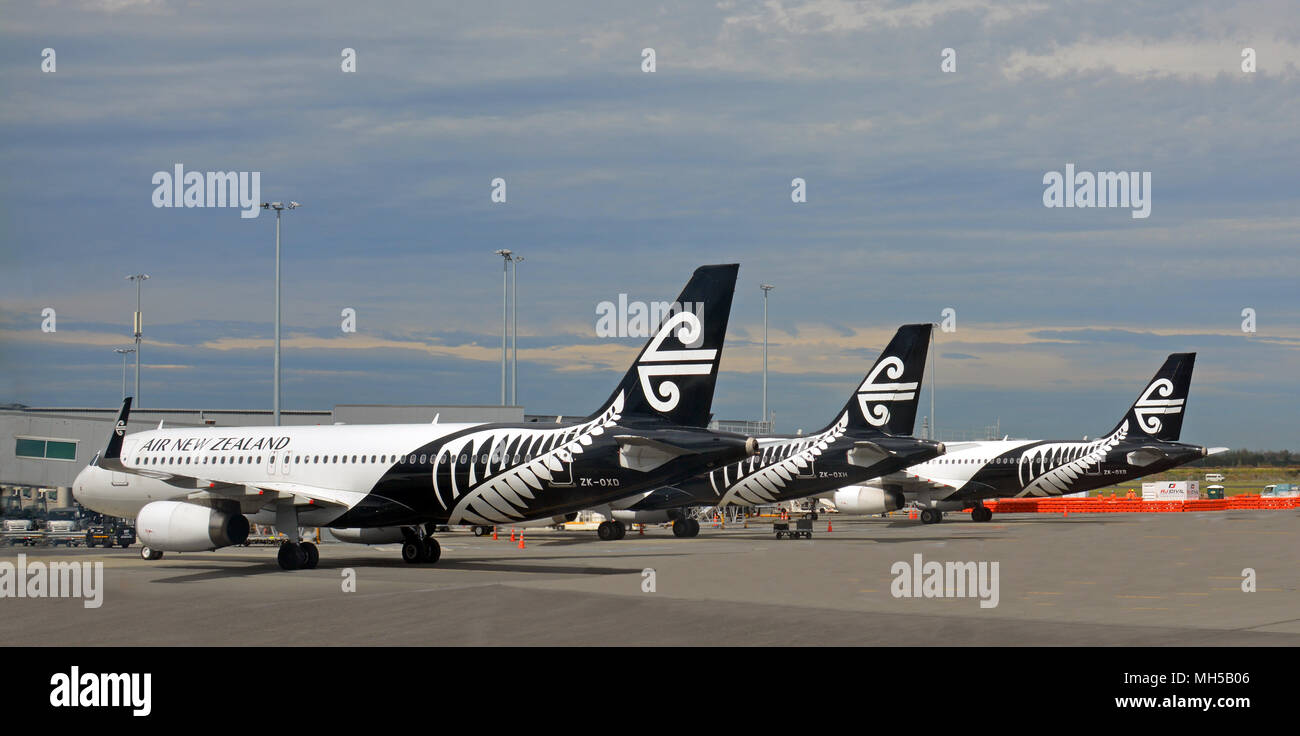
x=931, y=516
x=611, y=530
x=294, y=554
x=298, y=556
x=420, y=546
x=981, y=513
x=686, y=528
x=150, y=554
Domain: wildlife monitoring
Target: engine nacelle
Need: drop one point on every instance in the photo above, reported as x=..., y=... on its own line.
x=867, y=500
x=173, y=526
x=628, y=516
x=369, y=535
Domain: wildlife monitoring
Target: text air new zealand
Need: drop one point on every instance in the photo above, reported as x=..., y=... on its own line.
x=194, y=489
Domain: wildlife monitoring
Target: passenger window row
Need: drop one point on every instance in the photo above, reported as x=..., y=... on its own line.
x=424, y=459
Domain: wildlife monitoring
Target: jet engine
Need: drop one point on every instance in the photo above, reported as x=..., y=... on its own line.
x=173, y=526
x=867, y=500
x=369, y=535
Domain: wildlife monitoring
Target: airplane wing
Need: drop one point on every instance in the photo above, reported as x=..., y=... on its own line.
x=910, y=484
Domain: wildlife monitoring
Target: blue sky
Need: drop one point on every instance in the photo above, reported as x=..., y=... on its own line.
x=924, y=192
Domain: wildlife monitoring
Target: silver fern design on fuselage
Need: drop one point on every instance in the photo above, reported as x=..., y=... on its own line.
x=519, y=463
x=1061, y=463
x=760, y=479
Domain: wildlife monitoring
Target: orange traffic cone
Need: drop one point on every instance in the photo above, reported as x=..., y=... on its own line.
x=521, y=540
x=911, y=513
x=512, y=534
x=828, y=526
x=494, y=534
x=643, y=530
x=1065, y=512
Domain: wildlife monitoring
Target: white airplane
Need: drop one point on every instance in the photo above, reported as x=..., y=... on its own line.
x=1144, y=442
x=194, y=489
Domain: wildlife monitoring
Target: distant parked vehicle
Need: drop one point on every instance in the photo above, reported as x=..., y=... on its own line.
x=1285, y=490
x=1214, y=478
x=21, y=532
x=111, y=532
x=63, y=526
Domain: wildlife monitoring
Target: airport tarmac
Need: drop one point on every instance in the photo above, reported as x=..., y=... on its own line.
x=1086, y=579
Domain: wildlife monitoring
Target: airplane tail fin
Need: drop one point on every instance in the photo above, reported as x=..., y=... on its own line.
x=886, y=400
x=1158, y=411
x=111, y=456
x=674, y=375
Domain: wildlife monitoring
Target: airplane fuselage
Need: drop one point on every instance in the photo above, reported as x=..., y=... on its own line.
x=388, y=475
x=1010, y=468
x=792, y=466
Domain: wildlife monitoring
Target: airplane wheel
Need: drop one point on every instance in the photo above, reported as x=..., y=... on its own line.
x=929, y=516
x=695, y=528
x=605, y=531
x=682, y=528
x=620, y=530
x=480, y=531
x=981, y=513
x=312, y=556
x=290, y=556
x=813, y=516
x=150, y=554
x=413, y=551
x=432, y=550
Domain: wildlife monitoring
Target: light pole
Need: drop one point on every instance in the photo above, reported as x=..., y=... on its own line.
x=514, y=331
x=138, y=326
x=766, y=288
x=278, y=207
x=505, y=326
x=124, y=352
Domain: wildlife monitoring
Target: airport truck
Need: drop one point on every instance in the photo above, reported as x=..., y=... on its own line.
x=21, y=532
x=63, y=527
x=110, y=531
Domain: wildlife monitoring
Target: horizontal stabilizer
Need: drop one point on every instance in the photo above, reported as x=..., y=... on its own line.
x=865, y=454
x=1142, y=457
x=643, y=454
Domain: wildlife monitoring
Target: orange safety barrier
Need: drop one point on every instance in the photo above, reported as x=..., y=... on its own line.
x=1101, y=504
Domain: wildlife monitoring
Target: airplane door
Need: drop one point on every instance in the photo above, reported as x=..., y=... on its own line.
x=563, y=476
x=128, y=449
x=808, y=472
